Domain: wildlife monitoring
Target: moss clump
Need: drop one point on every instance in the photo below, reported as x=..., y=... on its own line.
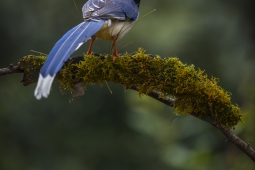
x=193, y=91
x=31, y=66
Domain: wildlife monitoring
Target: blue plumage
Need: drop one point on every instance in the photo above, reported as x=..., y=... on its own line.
x=68, y=44
x=105, y=19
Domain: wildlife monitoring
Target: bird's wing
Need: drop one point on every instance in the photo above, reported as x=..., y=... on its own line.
x=62, y=50
x=111, y=9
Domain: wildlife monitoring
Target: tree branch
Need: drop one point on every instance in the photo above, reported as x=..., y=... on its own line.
x=10, y=70
x=169, y=81
x=245, y=147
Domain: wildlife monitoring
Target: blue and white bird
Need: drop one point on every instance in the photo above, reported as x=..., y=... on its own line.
x=105, y=19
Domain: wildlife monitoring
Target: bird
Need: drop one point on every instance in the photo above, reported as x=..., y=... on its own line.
x=104, y=19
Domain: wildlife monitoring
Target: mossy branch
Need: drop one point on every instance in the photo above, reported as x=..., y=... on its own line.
x=168, y=80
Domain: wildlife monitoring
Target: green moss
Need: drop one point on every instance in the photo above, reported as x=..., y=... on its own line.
x=31, y=66
x=193, y=91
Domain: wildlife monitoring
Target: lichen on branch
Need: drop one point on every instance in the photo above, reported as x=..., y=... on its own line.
x=193, y=91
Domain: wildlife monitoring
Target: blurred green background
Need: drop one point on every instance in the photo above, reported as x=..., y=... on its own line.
x=121, y=131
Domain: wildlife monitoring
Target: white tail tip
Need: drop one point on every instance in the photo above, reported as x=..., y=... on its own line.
x=43, y=86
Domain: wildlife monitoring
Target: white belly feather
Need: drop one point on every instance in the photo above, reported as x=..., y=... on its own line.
x=114, y=29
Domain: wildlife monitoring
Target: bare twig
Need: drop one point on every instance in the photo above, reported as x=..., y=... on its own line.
x=10, y=70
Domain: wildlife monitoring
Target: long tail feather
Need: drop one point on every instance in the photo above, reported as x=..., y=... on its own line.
x=62, y=50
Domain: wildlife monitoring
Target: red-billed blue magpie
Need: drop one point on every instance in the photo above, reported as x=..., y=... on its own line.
x=105, y=19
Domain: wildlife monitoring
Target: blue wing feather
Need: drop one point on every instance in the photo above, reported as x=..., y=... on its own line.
x=111, y=9
x=68, y=44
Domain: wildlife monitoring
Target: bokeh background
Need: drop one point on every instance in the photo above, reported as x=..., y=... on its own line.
x=121, y=131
